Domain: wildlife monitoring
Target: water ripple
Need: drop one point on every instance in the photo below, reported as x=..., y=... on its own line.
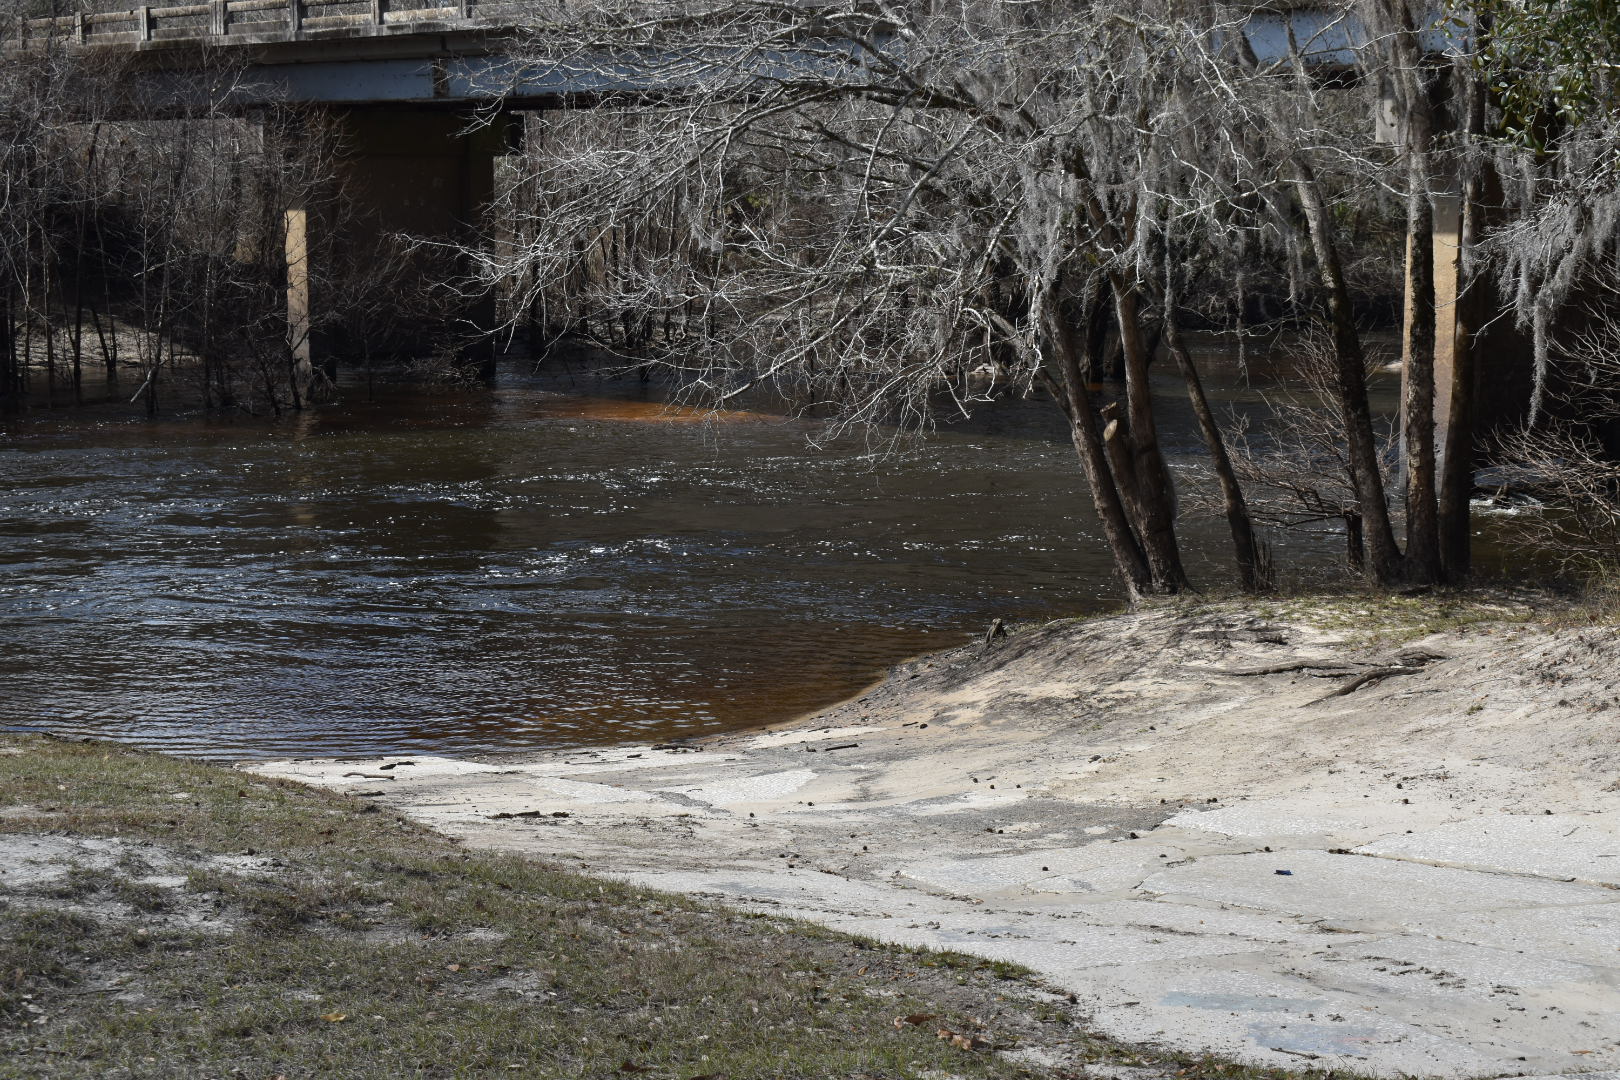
x=494, y=571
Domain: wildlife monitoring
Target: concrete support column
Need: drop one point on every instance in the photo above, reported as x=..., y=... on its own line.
x=1468, y=315
x=1448, y=285
x=296, y=225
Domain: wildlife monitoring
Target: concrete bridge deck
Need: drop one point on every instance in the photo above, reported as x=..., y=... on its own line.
x=330, y=53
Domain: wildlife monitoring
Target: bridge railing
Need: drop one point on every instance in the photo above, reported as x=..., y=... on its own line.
x=220, y=21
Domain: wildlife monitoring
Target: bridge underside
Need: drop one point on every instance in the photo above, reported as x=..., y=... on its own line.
x=417, y=120
x=399, y=76
x=416, y=172
x=465, y=67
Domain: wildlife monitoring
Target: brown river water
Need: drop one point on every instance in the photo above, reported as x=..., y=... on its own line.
x=543, y=564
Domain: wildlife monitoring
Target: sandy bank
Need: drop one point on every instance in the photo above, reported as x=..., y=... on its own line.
x=1171, y=814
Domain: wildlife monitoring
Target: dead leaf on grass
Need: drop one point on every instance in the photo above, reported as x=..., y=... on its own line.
x=334, y=1017
x=964, y=1042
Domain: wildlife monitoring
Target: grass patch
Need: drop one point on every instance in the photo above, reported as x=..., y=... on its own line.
x=1376, y=618
x=214, y=924
x=1371, y=617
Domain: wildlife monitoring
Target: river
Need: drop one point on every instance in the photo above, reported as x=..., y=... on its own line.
x=546, y=563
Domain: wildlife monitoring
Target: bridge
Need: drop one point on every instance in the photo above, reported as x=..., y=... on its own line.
x=457, y=53
x=399, y=80
x=402, y=81
x=336, y=53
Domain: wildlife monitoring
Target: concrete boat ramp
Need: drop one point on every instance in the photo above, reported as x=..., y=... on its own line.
x=1420, y=877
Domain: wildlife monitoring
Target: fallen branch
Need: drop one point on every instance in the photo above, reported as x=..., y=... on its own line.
x=1364, y=679
x=1292, y=665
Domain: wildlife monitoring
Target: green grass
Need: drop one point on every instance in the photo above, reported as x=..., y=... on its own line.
x=340, y=940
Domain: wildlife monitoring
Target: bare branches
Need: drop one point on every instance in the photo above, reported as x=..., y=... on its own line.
x=880, y=211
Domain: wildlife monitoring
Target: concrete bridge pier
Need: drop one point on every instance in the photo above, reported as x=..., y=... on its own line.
x=423, y=174
x=1473, y=338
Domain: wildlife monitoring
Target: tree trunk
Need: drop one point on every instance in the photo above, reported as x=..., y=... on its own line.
x=10, y=377
x=1153, y=493
x=1383, y=555
x=1457, y=467
x=1096, y=344
x=1422, y=526
x=1355, y=551
x=1071, y=395
x=1245, y=547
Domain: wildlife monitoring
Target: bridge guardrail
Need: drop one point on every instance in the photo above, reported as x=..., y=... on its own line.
x=221, y=21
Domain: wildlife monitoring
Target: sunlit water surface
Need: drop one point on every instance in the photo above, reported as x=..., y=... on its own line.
x=475, y=570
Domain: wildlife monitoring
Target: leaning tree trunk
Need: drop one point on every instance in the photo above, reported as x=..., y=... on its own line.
x=1383, y=554
x=1246, y=548
x=1072, y=396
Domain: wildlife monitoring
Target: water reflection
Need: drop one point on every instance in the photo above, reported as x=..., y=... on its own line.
x=465, y=571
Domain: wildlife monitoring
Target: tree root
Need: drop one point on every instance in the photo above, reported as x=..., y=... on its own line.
x=1364, y=679
x=1337, y=668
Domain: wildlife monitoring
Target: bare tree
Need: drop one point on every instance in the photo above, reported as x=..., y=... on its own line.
x=146, y=222
x=863, y=207
x=1563, y=466
x=1295, y=466
x=868, y=203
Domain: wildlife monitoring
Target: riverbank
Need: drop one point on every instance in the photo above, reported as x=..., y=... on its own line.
x=165, y=919
x=1372, y=835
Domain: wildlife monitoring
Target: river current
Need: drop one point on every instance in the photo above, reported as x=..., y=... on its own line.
x=541, y=564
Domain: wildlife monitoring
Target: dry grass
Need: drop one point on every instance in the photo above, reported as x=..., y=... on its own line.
x=1378, y=618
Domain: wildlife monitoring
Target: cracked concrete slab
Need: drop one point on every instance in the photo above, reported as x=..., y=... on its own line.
x=808, y=737
x=591, y=794
x=1568, y=847
x=1295, y=818
x=1587, y=934
x=1356, y=891
x=345, y=773
x=1245, y=1006
x=759, y=788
